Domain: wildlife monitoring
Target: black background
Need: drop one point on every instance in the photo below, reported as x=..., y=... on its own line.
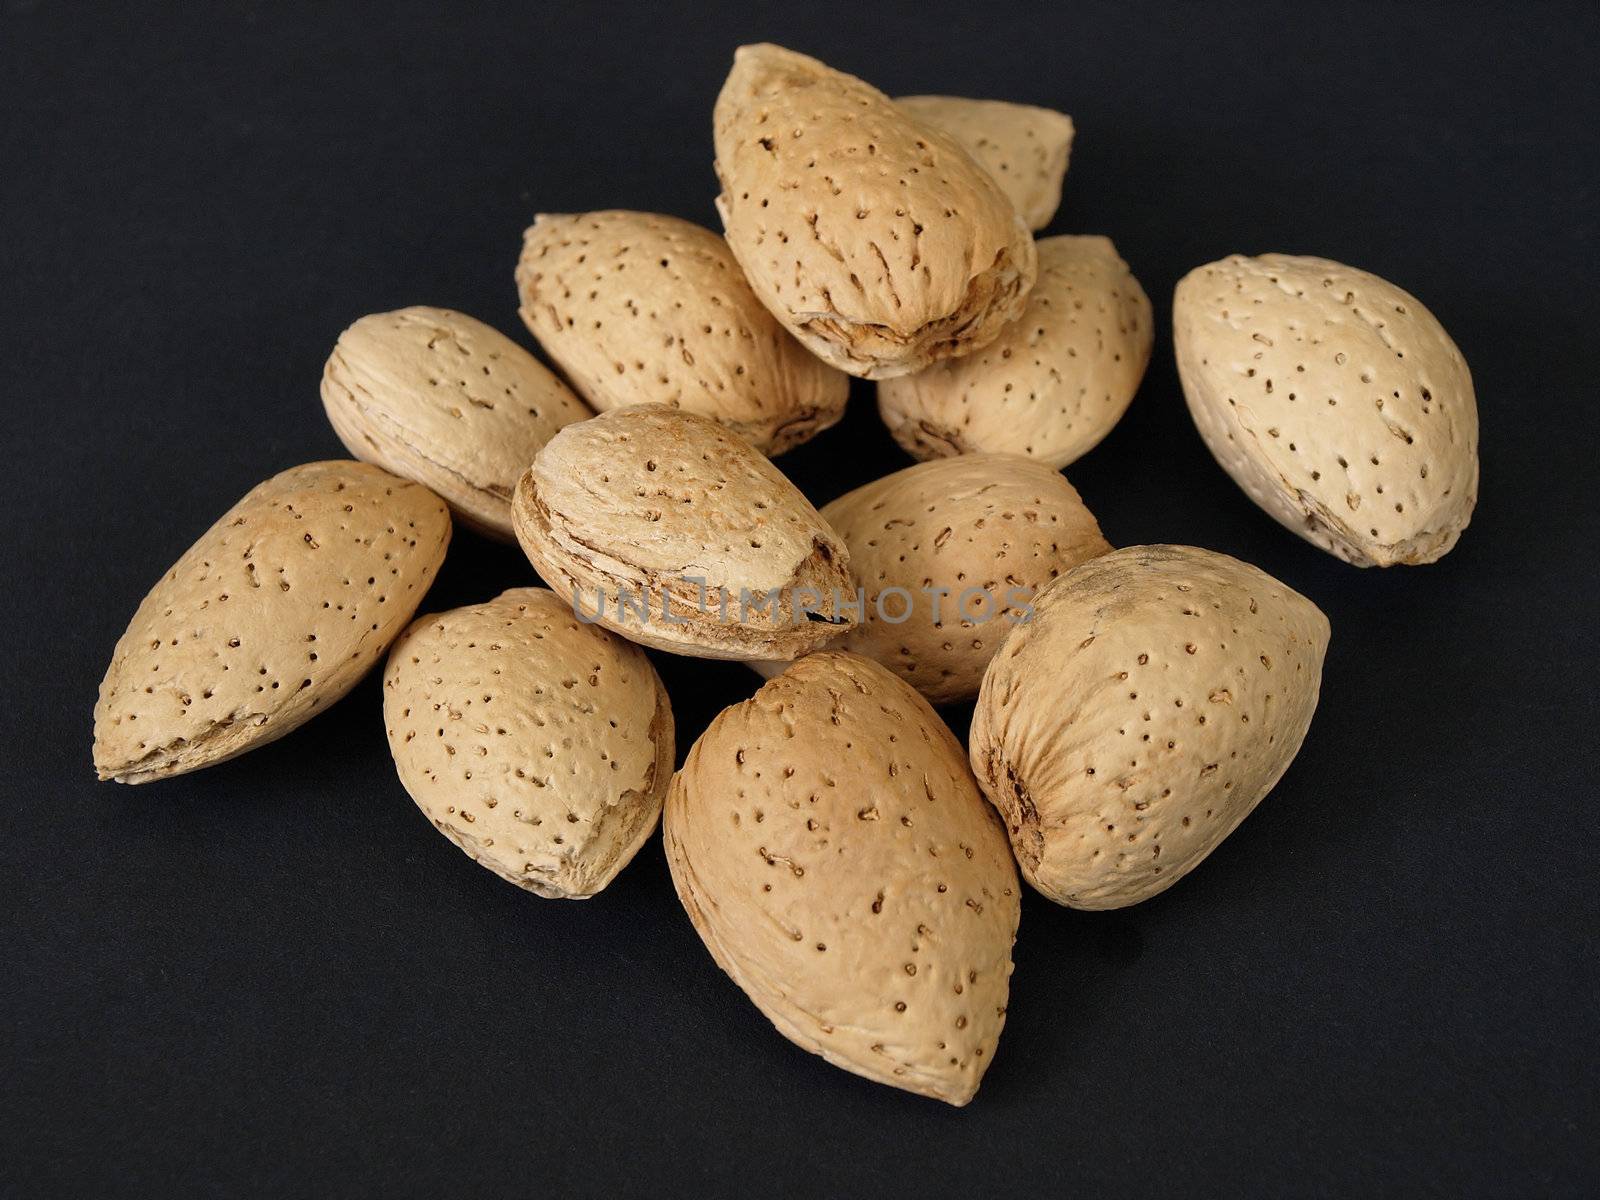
x=273, y=977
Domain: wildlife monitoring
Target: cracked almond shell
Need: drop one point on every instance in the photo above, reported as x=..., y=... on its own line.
x=994, y=522
x=638, y=308
x=539, y=745
x=1053, y=384
x=440, y=398
x=1157, y=694
x=872, y=236
x=650, y=505
x=274, y=614
x=1023, y=147
x=832, y=850
x=1335, y=400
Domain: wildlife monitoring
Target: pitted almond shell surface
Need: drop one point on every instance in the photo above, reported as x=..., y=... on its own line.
x=871, y=235
x=440, y=398
x=828, y=842
x=539, y=745
x=1053, y=384
x=1335, y=400
x=990, y=530
x=660, y=524
x=1023, y=147
x=638, y=308
x=1157, y=694
x=271, y=616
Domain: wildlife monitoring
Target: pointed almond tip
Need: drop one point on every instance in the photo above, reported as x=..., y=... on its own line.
x=957, y=1099
x=767, y=53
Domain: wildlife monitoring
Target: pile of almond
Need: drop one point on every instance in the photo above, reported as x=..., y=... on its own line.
x=846, y=860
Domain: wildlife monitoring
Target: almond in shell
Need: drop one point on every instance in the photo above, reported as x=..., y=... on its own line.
x=833, y=852
x=1335, y=400
x=438, y=397
x=871, y=235
x=275, y=613
x=673, y=531
x=1156, y=695
x=949, y=555
x=1023, y=147
x=637, y=308
x=538, y=744
x=1053, y=384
